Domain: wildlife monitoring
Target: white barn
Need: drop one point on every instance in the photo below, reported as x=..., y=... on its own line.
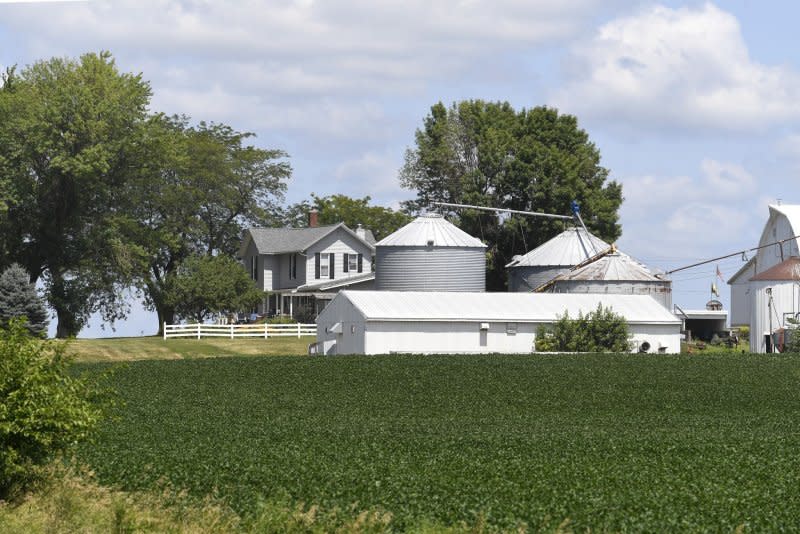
x=775, y=304
x=783, y=223
x=382, y=322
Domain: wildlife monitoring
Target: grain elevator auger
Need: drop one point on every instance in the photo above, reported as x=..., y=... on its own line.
x=576, y=214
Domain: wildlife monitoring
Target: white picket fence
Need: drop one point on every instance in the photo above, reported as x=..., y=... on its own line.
x=239, y=330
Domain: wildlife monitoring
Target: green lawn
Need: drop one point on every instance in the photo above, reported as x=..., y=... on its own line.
x=607, y=442
x=156, y=348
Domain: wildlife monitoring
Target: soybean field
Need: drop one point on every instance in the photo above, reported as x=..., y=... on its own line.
x=601, y=442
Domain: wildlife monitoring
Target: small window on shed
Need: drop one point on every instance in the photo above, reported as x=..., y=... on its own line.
x=511, y=329
x=352, y=329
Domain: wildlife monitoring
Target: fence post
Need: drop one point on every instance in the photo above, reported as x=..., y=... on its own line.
x=165, y=329
x=231, y=330
x=266, y=328
x=298, y=330
x=198, y=330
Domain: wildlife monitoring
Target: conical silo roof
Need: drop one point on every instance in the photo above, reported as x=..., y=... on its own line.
x=570, y=247
x=430, y=230
x=614, y=266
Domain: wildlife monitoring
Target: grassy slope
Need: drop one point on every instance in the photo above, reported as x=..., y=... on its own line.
x=611, y=442
x=156, y=348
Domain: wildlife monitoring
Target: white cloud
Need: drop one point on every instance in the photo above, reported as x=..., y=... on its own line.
x=375, y=170
x=677, y=219
x=325, y=68
x=684, y=67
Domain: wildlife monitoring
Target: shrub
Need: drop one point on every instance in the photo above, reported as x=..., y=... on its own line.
x=305, y=314
x=18, y=298
x=600, y=330
x=793, y=346
x=42, y=409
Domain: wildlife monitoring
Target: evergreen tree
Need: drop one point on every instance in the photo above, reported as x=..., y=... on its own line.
x=18, y=298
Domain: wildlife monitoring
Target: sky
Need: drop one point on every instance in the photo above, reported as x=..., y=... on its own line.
x=694, y=106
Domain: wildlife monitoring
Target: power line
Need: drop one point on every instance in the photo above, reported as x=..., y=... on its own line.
x=780, y=243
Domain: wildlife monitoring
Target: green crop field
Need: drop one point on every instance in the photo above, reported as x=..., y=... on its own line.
x=607, y=442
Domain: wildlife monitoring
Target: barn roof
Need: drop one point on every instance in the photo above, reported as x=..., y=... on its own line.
x=788, y=270
x=430, y=230
x=791, y=212
x=568, y=248
x=509, y=307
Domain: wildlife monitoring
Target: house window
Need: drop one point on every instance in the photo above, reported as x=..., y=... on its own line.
x=254, y=267
x=324, y=265
x=293, y=267
x=352, y=262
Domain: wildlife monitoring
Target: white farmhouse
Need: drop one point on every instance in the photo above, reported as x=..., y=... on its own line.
x=382, y=322
x=301, y=267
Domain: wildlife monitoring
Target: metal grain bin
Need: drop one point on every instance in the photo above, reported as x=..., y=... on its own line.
x=554, y=257
x=430, y=254
x=615, y=274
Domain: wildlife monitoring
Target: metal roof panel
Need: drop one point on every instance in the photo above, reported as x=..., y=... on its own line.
x=568, y=248
x=512, y=307
x=430, y=228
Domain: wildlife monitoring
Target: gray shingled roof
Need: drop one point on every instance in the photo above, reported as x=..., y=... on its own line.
x=287, y=240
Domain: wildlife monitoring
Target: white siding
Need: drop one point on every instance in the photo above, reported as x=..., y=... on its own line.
x=778, y=227
x=362, y=334
x=740, y=301
x=283, y=279
x=342, y=312
x=785, y=300
x=383, y=337
x=658, y=335
x=338, y=243
x=271, y=270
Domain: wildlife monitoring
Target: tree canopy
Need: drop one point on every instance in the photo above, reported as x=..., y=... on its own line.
x=97, y=194
x=68, y=132
x=208, y=285
x=333, y=209
x=202, y=187
x=488, y=154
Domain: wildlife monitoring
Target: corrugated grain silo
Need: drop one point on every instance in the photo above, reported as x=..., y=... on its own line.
x=614, y=273
x=542, y=264
x=430, y=254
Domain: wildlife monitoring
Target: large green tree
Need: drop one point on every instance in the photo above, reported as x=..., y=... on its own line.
x=200, y=187
x=208, y=285
x=69, y=134
x=338, y=208
x=488, y=154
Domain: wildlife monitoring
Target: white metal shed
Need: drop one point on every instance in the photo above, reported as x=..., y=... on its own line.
x=382, y=322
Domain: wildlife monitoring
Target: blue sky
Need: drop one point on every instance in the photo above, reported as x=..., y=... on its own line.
x=695, y=106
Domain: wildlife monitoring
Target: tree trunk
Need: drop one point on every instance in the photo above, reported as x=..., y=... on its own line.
x=68, y=324
x=166, y=314
x=69, y=304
